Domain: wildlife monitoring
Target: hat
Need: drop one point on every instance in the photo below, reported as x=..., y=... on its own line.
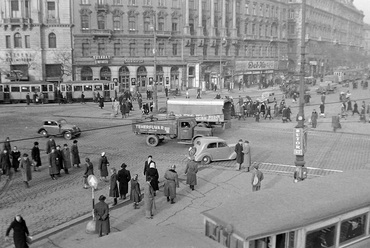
x=255, y=166
x=246, y=141
x=123, y=165
x=65, y=145
x=103, y=154
x=75, y=141
x=240, y=140
x=25, y=155
x=36, y=143
x=102, y=198
x=173, y=166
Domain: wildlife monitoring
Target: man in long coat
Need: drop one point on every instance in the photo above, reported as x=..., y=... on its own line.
x=247, y=154
x=149, y=198
x=35, y=155
x=172, y=181
x=49, y=144
x=123, y=178
x=239, y=154
x=257, y=177
x=113, y=188
x=191, y=171
x=15, y=154
x=25, y=166
x=7, y=145
x=103, y=166
x=314, y=117
x=59, y=158
x=101, y=213
x=75, y=154
x=146, y=164
x=66, y=158
x=5, y=163
x=53, y=169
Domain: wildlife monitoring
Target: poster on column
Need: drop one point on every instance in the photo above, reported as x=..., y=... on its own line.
x=196, y=75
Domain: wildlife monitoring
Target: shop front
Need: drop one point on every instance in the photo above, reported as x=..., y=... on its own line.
x=256, y=73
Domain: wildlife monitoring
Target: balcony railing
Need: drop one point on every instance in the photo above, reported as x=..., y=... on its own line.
x=98, y=32
x=17, y=21
x=101, y=7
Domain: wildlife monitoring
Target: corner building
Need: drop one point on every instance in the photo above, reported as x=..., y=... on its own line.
x=197, y=43
x=36, y=42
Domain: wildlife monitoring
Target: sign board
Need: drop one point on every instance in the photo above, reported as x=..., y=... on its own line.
x=300, y=141
x=243, y=66
x=93, y=181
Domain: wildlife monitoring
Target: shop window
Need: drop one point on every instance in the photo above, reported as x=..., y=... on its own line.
x=321, y=238
x=352, y=228
x=53, y=70
x=86, y=74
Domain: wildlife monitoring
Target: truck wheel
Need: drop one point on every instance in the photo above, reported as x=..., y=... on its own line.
x=67, y=135
x=206, y=160
x=152, y=140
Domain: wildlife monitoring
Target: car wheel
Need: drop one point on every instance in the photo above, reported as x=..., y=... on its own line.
x=206, y=160
x=152, y=140
x=67, y=135
x=44, y=133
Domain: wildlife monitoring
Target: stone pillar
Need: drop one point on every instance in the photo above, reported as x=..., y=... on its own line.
x=187, y=27
x=213, y=33
x=223, y=23
x=233, y=31
x=200, y=19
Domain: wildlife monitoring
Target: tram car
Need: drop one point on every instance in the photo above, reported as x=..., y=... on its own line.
x=92, y=89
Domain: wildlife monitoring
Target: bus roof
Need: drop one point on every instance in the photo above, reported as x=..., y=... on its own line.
x=290, y=207
x=219, y=102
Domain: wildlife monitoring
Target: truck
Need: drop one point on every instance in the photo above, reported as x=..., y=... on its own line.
x=184, y=129
x=210, y=111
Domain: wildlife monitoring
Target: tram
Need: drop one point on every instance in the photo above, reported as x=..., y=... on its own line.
x=332, y=211
x=92, y=89
x=14, y=92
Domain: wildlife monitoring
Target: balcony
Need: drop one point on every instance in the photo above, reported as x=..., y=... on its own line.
x=249, y=37
x=102, y=7
x=161, y=33
x=98, y=32
x=17, y=22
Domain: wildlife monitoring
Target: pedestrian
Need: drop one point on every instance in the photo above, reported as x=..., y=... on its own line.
x=83, y=98
x=257, y=177
x=103, y=167
x=239, y=154
x=123, y=109
x=191, y=171
x=149, y=200
x=7, y=145
x=349, y=105
x=89, y=170
x=113, y=188
x=15, y=155
x=355, y=109
x=135, y=194
x=75, y=154
x=5, y=163
x=101, y=102
x=288, y=113
x=268, y=113
x=115, y=107
x=147, y=163
x=362, y=114
x=166, y=91
x=101, y=213
x=335, y=122
x=123, y=178
x=20, y=232
x=53, y=169
x=323, y=98
x=322, y=109
x=247, y=154
x=25, y=166
x=49, y=144
x=153, y=173
x=314, y=117
x=28, y=99
x=59, y=159
x=66, y=158
x=35, y=155
x=170, y=184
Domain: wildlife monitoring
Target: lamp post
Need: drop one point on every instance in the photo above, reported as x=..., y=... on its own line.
x=155, y=89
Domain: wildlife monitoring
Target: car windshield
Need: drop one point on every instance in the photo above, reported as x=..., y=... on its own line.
x=62, y=121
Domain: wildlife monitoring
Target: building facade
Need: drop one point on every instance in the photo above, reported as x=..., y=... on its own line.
x=333, y=30
x=366, y=44
x=35, y=40
x=189, y=41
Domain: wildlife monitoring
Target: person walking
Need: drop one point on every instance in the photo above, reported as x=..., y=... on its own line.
x=101, y=213
x=15, y=155
x=28, y=99
x=59, y=159
x=25, y=166
x=5, y=163
x=135, y=194
x=123, y=178
x=49, y=144
x=257, y=177
x=53, y=169
x=123, y=109
x=101, y=102
x=7, y=145
x=191, y=171
x=66, y=158
x=147, y=163
x=247, y=155
x=89, y=170
x=103, y=167
x=115, y=107
x=113, y=188
x=170, y=184
x=239, y=154
x=35, y=155
x=322, y=109
x=75, y=154
x=20, y=232
x=83, y=98
x=355, y=109
x=323, y=98
x=314, y=117
x=149, y=195
x=153, y=173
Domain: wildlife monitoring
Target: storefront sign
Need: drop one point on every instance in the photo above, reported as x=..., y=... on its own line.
x=19, y=58
x=313, y=62
x=300, y=141
x=102, y=59
x=243, y=66
x=133, y=61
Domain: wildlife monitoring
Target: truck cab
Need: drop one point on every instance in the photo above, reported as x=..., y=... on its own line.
x=188, y=129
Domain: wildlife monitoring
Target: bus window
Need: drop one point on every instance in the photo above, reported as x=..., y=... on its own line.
x=352, y=228
x=98, y=87
x=35, y=88
x=15, y=89
x=51, y=88
x=88, y=87
x=321, y=238
x=77, y=88
x=44, y=88
x=25, y=88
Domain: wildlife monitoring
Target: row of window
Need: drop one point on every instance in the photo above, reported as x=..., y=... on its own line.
x=175, y=3
x=22, y=9
x=18, y=41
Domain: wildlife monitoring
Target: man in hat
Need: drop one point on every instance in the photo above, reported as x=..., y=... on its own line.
x=53, y=169
x=147, y=163
x=75, y=154
x=191, y=171
x=49, y=144
x=5, y=163
x=170, y=184
x=247, y=154
x=35, y=155
x=239, y=154
x=103, y=166
x=123, y=178
x=101, y=213
x=257, y=177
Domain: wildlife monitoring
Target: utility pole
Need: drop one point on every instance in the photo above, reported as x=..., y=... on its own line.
x=155, y=89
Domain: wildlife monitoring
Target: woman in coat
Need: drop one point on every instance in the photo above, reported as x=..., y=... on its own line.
x=149, y=198
x=75, y=154
x=191, y=171
x=172, y=181
x=123, y=178
x=101, y=102
x=53, y=168
x=103, y=167
x=135, y=194
x=25, y=165
x=113, y=188
x=15, y=154
x=89, y=170
x=66, y=159
x=153, y=173
x=20, y=232
x=247, y=155
x=35, y=155
x=101, y=213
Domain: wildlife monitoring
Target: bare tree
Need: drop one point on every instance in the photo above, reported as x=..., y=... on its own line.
x=64, y=58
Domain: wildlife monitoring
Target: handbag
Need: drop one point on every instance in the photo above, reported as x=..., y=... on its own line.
x=29, y=239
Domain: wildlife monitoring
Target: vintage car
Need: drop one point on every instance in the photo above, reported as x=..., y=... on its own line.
x=208, y=149
x=59, y=128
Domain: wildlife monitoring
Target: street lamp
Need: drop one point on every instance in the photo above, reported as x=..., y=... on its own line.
x=155, y=89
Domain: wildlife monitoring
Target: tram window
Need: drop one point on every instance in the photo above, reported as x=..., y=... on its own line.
x=106, y=86
x=88, y=87
x=15, y=89
x=260, y=243
x=35, y=88
x=6, y=88
x=25, y=88
x=1, y=88
x=98, y=87
x=111, y=86
x=44, y=87
x=352, y=228
x=50, y=88
x=69, y=87
x=77, y=88
x=321, y=238
x=63, y=87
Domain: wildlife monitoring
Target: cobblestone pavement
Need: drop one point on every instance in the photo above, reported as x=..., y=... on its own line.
x=48, y=203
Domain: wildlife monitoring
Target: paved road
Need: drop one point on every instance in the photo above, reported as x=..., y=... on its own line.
x=49, y=203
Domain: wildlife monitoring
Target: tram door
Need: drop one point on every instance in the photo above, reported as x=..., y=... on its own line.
x=107, y=96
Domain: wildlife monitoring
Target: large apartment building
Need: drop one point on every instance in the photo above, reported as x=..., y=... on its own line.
x=35, y=38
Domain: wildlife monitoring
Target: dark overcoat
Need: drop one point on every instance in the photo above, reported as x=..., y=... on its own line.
x=25, y=165
x=35, y=154
x=66, y=158
x=135, y=195
x=15, y=159
x=101, y=212
x=124, y=177
x=20, y=233
x=53, y=169
x=49, y=145
x=5, y=161
x=239, y=153
x=113, y=189
x=191, y=171
x=153, y=172
x=75, y=154
x=103, y=166
x=170, y=184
